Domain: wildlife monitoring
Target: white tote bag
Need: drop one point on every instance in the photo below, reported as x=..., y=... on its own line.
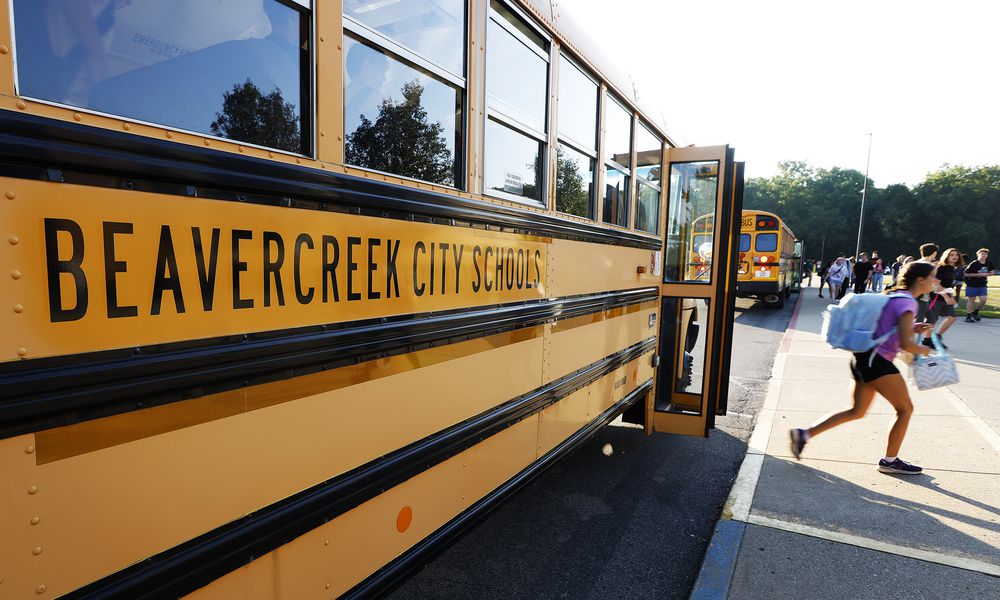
x=936, y=370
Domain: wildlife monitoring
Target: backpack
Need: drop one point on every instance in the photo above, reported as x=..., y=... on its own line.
x=851, y=324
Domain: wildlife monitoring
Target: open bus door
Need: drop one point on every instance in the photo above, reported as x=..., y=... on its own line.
x=696, y=313
x=797, y=262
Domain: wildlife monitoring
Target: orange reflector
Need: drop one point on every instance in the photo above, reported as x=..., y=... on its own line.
x=404, y=519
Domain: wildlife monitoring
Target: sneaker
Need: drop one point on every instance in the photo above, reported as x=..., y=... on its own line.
x=941, y=341
x=927, y=342
x=969, y=318
x=821, y=295
x=976, y=316
x=899, y=467
x=797, y=442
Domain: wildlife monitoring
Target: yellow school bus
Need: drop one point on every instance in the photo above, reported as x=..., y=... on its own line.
x=296, y=292
x=766, y=266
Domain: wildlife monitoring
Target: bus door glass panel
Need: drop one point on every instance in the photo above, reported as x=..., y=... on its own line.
x=683, y=329
x=693, y=191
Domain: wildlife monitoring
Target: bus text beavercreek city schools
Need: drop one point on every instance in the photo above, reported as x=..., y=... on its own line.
x=304, y=268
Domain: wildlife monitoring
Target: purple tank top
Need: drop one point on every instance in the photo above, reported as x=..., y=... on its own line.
x=895, y=308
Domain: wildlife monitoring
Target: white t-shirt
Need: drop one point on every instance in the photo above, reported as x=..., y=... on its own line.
x=837, y=273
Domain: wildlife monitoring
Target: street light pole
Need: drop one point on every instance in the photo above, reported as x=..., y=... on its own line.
x=864, y=194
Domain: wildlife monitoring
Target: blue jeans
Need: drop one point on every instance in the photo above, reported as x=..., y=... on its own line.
x=877, y=281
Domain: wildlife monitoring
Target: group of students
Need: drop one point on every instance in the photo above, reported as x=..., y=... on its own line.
x=921, y=288
x=842, y=272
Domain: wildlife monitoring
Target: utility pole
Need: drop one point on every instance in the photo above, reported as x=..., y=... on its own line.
x=864, y=194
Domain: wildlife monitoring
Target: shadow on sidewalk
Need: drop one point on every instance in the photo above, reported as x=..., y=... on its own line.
x=958, y=526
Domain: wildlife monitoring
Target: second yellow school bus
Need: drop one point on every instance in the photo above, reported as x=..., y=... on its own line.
x=765, y=268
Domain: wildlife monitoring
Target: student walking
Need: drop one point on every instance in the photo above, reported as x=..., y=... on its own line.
x=896, y=266
x=836, y=273
x=873, y=370
x=960, y=276
x=928, y=254
x=862, y=273
x=823, y=275
x=942, y=305
x=878, y=274
x=976, y=277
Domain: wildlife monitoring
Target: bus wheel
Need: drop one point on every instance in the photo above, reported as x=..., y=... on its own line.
x=774, y=300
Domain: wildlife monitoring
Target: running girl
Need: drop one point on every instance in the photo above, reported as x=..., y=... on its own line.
x=878, y=374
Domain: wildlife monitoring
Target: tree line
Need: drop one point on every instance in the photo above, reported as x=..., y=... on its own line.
x=955, y=206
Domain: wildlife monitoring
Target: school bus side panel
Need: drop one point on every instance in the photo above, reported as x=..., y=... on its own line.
x=146, y=496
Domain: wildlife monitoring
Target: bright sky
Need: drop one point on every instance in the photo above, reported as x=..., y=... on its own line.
x=808, y=79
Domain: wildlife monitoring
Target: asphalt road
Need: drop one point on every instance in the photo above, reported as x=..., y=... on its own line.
x=633, y=525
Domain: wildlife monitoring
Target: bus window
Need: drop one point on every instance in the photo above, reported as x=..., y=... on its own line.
x=649, y=155
x=236, y=69
x=577, y=152
x=617, y=162
x=434, y=29
x=516, y=87
x=766, y=242
x=700, y=241
x=391, y=107
x=744, y=242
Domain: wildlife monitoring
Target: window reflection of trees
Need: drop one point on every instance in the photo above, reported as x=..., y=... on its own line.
x=250, y=116
x=402, y=140
x=199, y=66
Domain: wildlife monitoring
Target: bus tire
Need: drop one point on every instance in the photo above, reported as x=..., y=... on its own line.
x=774, y=300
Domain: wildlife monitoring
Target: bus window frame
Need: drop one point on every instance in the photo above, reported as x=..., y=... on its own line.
x=638, y=122
x=611, y=97
x=400, y=53
x=573, y=143
x=764, y=234
x=310, y=122
x=749, y=238
x=542, y=178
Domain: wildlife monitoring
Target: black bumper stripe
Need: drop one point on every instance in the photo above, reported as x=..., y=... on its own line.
x=196, y=563
x=45, y=393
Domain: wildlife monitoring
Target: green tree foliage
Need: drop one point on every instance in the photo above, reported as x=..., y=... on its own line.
x=954, y=206
x=250, y=116
x=401, y=140
x=960, y=207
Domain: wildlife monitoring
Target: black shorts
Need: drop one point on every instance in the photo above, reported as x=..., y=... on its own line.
x=879, y=367
x=941, y=309
x=921, y=311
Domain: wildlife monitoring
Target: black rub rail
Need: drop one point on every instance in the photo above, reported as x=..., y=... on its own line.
x=52, y=392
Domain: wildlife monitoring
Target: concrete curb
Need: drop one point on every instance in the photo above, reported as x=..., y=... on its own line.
x=719, y=564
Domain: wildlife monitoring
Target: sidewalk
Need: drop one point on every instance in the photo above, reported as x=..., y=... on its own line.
x=831, y=526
